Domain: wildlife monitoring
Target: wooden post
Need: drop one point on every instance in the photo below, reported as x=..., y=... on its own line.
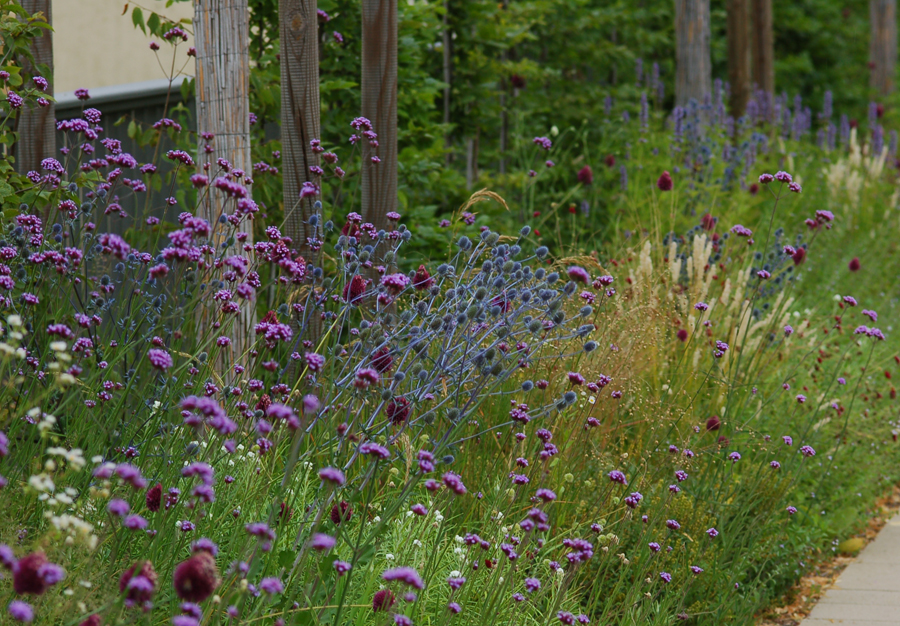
x=300, y=124
x=883, y=45
x=739, y=55
x=763, y=45
x=37, y=125
x=379, y=105
x=222, y=34
x=299, y=112
x=693, y=75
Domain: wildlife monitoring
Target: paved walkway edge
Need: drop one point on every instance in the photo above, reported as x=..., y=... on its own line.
x=867, y=593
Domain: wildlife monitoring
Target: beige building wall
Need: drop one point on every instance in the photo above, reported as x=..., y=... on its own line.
x=95, y=45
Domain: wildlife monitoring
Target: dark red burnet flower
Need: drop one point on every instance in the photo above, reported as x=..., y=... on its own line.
x=753, y=189
x=517, y=81
x=285, y=513
x=140, y=590
x=341, y=513
x=154, y=497
x=264, y=402
x=354, y=290
x=398, y=410
x=682, y=334
x=29, y=574
x=610, y=160
x=853, y=266
x=422, y=280
x=93, y=620
x=350, y=229
x=879, y=111
x=713, y=423
x=708, y=221
x=799, y=256
x=382, y=600
x=664, y=182
x=196, y=578
x=585, y=175
x=382, y=360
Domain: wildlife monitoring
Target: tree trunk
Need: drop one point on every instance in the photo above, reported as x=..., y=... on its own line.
x=504, y=114
x=739, y=55
x=883, y=45
x=379, y=105
x=448, y=76
x=222, y=37
x=763, y=47
x=300, y=106
x=37, y=125
x=472, y=161
x=693, y=76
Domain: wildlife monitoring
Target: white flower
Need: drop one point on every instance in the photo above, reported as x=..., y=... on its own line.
x=58, y=346
x=389, y=557
x=42, y=483
x=455, y=574
x=417, y=543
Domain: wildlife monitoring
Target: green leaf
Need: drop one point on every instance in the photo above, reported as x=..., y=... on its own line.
x=333, y=85
x=187, y=88
x=132, y=129
x=286, y=558
x=153, y=23
x=6, y=189
x=137, y=18
x=148, y=138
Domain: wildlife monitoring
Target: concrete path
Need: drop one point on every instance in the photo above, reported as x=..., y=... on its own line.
x=867, y=593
